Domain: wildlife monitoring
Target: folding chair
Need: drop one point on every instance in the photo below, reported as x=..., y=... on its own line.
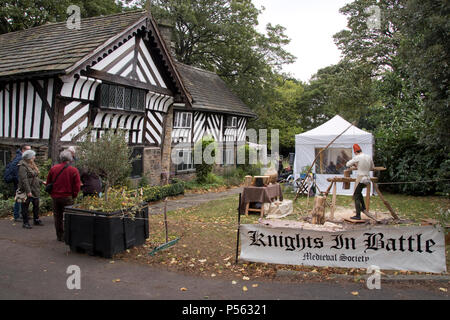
x=305, y=184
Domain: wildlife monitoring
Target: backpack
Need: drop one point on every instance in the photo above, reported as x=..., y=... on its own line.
x=10, y=173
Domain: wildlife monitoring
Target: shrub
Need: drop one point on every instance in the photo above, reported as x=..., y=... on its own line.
x=6, y=207
x=204, y=168
x=156, y=193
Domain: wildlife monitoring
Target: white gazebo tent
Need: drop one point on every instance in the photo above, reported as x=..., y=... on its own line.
x=332, y=161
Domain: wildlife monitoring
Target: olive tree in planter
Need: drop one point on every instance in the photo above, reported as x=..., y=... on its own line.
x=108, y=156
x=109, y=225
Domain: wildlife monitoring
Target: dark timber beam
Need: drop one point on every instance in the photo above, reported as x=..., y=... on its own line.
x=104, y=76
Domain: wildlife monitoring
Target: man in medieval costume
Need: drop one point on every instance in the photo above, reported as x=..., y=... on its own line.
x=364, y=164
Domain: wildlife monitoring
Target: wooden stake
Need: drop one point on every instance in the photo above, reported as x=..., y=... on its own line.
x=368, y=197
x=385, y=202
x=238, y=229
x=333, y=203
x=165, y=220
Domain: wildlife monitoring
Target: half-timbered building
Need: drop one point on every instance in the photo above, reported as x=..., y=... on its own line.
x=115, y=72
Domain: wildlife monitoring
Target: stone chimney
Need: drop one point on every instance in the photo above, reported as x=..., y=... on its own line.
x=166, y=28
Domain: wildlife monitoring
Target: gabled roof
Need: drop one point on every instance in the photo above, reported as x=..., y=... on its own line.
x=210, y=92
x=53, y=48
x=326, y=132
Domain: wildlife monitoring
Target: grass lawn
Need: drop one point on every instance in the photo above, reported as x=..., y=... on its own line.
x=208, y=232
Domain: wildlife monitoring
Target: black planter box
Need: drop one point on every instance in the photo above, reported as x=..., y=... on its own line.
x=104, y=234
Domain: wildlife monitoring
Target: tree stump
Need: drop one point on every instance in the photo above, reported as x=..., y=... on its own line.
x=318, y=214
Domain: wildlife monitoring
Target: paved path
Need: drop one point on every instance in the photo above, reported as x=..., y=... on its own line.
x=192, y=199
x=33, y=266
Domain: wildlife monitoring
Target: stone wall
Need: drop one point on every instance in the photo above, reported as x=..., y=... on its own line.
x=152, y=165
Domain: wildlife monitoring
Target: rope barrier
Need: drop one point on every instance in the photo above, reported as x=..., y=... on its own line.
x=425, y=181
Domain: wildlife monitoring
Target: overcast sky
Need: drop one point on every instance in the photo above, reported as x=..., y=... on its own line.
x=310, y=24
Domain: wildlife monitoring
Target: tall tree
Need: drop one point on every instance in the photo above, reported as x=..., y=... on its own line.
x=373, y=35
x=220, y=36
x=426, y=57
x=280, y=112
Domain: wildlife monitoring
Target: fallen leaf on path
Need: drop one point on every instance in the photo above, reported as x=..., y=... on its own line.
x=255, y=285
x=355, y=293
x=244, y=288
x=233, y=282
x=116, y=280
x=443, y=289
x=183, y=289
x=245, y=278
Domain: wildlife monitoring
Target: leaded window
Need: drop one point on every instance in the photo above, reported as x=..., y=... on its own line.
x=119, y=97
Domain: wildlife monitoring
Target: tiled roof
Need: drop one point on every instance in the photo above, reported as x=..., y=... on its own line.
x=53, y=48
x=210, y=92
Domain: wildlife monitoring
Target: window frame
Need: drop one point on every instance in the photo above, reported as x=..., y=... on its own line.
x=185, y=167
x=180, y=117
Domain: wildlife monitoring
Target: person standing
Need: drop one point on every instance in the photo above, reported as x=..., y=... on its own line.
x=30, y=183
x=12, y=175
x=66, y=186
x=74, y=155
x=91, y=184
x=364, y=164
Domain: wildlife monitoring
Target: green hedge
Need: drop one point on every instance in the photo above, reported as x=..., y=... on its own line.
x=156, y=193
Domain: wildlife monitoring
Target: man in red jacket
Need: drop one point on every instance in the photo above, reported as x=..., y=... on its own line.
x=66, y=186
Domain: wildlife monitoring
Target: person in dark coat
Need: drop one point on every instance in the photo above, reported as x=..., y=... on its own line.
x=12, y=176
x=91, y=183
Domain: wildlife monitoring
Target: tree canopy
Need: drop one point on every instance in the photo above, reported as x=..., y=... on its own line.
x=221, y=36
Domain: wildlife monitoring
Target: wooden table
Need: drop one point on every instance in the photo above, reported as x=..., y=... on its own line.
x=259, y=194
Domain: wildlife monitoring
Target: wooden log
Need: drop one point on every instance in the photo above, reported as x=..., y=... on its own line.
x=394, y=215
x=318, y=215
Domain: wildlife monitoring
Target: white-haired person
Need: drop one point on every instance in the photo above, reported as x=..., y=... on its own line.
x=30, y=183
x=66, y=186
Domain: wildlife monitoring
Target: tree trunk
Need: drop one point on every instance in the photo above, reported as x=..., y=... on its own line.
x=106, y=191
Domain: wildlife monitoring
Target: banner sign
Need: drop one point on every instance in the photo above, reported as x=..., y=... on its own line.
x=390, y=248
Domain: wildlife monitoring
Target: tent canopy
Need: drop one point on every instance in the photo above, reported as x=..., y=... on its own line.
x=308, y=144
